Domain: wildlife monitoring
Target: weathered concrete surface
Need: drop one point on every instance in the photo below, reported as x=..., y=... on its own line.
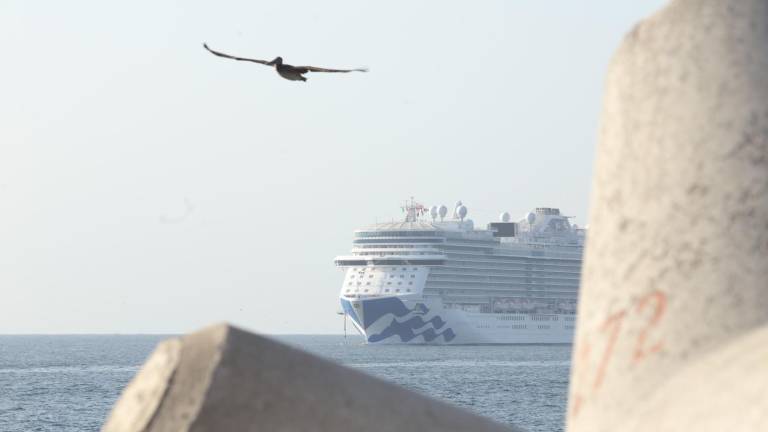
x=725, y=390
x=226, y=379
x=677, y=254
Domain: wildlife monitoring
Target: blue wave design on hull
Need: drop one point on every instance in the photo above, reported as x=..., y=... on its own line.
x=373, y=310
x=406, y=329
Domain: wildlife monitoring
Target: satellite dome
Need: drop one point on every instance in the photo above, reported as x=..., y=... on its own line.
x=442, y=211
x=433, y=212
x=531, y=218
x=505, y=217
x=461, y=212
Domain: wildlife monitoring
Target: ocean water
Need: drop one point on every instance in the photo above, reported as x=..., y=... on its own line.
x=69, y=383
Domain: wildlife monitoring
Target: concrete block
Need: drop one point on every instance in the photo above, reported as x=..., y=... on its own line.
x=677, y=254
x=225, y=379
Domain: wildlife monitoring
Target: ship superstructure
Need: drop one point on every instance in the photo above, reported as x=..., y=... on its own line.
x=436, y=279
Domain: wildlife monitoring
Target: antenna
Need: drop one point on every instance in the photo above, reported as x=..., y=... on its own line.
x=413, y=210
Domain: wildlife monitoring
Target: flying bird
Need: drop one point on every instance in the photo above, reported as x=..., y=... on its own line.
x=289, y=72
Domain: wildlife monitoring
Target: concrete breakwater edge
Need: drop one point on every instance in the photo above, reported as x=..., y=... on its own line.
x=672, y=331
x=223, y=378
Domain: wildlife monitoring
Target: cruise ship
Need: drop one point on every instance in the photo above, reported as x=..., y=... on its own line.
x=436, y=279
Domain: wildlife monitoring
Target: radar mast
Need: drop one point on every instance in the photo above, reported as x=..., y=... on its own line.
x=413, y=210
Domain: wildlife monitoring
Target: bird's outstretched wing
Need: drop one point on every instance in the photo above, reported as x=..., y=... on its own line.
x=306, y=69
x=220, y=54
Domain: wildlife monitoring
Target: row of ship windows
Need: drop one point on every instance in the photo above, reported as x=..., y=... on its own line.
x=397, y=234
x=483, y=270
x=393, y=253
x=452, y=263
x=536, y=290
x=462, y=261
x=510, y=318
x=521, y=326
x=502, y=271
x=538, y=282
x=486, y=272
x=393, y=269
x=398, y=246
x=492, y=273
x=371, y=276
x=527, y=279
x=388, y=283
x=495, y=278
x=480, y=291
x=551, y=259
x=514, y=326
x=397, y=241
x=386, y=290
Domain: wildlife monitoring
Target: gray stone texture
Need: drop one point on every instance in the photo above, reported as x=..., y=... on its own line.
x=674, y=299
x=225, y=379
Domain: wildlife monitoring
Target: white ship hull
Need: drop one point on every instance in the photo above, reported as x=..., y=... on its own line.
x=397, y=320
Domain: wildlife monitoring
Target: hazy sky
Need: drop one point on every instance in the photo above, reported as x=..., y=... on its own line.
x=148, y=186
